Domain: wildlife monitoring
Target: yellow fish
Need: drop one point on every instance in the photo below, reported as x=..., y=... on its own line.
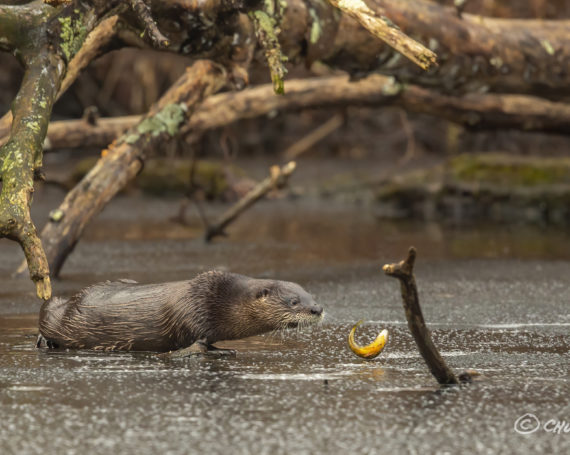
x=369, y=351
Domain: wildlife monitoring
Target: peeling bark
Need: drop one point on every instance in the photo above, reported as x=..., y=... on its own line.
x=485, y=54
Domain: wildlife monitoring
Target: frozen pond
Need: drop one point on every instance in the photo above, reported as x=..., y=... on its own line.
x=496, y=300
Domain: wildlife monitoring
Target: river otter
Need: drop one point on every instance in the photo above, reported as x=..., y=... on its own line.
x=214, y=306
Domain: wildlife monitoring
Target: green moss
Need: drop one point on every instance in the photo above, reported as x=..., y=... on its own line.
x=167, y=121
x=489, y=186
x=269, y=7
x=72, y=34
x=508, y=170
x=266, y=31
x=171, y=177
x=266, y=23
x=163, y=177
x=56, y=215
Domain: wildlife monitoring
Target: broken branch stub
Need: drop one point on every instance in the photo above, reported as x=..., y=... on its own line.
x=376, y=22
x=404, y=272
x=142, y=12
x=266, y=31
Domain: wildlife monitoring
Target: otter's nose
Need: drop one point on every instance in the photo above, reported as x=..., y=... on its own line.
x=317, y=310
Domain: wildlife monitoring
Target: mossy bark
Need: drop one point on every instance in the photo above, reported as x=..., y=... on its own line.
x=122, y=161
x=22, y=155
x=44, y=49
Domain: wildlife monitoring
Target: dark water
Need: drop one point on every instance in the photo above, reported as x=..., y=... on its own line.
x=496, y=300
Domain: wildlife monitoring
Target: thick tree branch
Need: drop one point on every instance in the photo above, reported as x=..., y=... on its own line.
x=376, y=22
x=21, y=155
x=123, y=159
x=475, y=54
x=473, y=111
x=16, y=21
x=142, y=11
x=95, y=44
x=46, y=38
x=481, y=53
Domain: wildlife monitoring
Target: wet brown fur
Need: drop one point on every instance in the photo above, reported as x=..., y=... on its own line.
x=214, y=306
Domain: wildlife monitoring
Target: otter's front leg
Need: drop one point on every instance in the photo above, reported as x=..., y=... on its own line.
x=43, y=342
x=199, y=348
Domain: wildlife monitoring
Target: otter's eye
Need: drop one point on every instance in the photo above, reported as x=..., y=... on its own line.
x=294, y=302
x=263, y=293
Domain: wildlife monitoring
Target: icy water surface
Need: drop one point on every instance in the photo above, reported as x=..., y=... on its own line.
x=498, y=304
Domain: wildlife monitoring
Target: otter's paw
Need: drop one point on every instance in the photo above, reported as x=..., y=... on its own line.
x=43, y=342
x=213, y=351
x=200, y=348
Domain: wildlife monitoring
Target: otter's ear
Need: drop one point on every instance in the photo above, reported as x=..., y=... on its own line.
x=262, y=293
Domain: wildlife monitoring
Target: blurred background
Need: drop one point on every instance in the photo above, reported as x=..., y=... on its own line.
x=394, y=163
x=353, y=162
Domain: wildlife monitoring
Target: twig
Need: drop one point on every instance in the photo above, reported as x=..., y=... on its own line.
x=314, y=137
x=278, y=178
x=404, y=272
x=266, y=33
x=142, y=11
x=380, y=26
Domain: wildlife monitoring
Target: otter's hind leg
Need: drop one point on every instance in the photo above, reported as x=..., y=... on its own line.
x=199, y=348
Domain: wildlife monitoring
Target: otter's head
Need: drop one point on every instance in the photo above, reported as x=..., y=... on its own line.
x=246, y=306
x=287, y=304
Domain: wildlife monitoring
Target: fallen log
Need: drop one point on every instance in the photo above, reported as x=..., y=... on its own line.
x=473, y=111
